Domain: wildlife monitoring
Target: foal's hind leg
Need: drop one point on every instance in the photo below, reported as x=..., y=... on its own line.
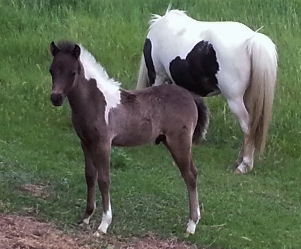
x=181, y=153
x=91, y=176
x=194, y=199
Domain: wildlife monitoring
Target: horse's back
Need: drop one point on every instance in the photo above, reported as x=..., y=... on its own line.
x=204, y=48
x=185, y=32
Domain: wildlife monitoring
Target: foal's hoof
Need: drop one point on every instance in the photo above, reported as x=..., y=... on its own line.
x=99, y=233
x=83, y=222
x=190, y=227
x=96, y=234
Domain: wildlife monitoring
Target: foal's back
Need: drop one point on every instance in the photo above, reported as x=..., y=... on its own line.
x=145, y=114
x=168, y=103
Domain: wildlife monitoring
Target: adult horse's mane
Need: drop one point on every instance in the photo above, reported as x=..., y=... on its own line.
x=156, y=17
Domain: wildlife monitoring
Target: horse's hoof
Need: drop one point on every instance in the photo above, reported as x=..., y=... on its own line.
x=238, y=162
x=237, y=172
x=243, y=168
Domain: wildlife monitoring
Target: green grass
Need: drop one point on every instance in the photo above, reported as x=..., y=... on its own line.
x=38, y=144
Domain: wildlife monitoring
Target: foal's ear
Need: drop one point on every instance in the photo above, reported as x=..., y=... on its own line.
x=54, y=49
x=76, y=51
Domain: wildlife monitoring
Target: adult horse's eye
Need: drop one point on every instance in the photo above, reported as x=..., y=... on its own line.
x=73, y=74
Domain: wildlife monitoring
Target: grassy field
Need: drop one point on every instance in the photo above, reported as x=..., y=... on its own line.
x=38, y=144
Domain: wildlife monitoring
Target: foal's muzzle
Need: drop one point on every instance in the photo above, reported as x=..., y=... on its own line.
x=57, y=99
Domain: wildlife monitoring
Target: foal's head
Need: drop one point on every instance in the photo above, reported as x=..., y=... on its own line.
x=64, y=69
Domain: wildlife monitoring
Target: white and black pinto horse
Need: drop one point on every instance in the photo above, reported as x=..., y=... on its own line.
x=209, y=58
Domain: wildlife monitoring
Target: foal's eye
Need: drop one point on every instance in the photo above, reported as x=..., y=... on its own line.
x=73, y=73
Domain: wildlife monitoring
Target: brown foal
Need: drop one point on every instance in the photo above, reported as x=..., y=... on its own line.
x=105, y=115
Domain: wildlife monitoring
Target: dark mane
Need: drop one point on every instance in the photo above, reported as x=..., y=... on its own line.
x=65, y=46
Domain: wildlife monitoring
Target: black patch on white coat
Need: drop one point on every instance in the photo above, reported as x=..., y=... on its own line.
x=197, y=72
x=147, y=52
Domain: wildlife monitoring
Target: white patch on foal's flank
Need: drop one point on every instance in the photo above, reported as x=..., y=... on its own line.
x=108, y=86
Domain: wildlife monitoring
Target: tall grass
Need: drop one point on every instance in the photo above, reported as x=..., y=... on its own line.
x=39, y=146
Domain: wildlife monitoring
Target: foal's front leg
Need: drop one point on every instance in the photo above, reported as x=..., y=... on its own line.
x=101, y=156
x=91, y=176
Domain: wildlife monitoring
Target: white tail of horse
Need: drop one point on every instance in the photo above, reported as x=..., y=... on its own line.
x=260, y=94
x=142, y=75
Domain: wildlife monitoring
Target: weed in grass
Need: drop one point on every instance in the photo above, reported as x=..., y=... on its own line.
x=120, y=159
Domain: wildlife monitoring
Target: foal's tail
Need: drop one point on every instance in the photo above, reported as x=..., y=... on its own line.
x=143, y=81
x=203, y=119
x=260, y=94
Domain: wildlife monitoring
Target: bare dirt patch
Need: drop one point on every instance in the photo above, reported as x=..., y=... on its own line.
x=19, y=232
x=35, y=190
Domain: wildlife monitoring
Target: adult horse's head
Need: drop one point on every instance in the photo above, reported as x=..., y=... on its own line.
x=64, y=69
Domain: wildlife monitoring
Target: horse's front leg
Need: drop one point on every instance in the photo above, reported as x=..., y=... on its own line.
x=101, y=156
x=91, y=176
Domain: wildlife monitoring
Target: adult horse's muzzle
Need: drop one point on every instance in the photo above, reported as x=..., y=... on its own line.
x=57, y=99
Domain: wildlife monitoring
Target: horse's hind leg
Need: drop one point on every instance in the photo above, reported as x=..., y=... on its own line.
x=161, y=79
x=91, y=176
x=245, y=159
x=181, y=153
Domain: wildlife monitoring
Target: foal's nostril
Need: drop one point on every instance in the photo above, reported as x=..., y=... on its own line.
x=56, y=99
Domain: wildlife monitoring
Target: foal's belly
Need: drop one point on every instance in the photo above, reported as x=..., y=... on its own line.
x=136, y=133
x=132, y=140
